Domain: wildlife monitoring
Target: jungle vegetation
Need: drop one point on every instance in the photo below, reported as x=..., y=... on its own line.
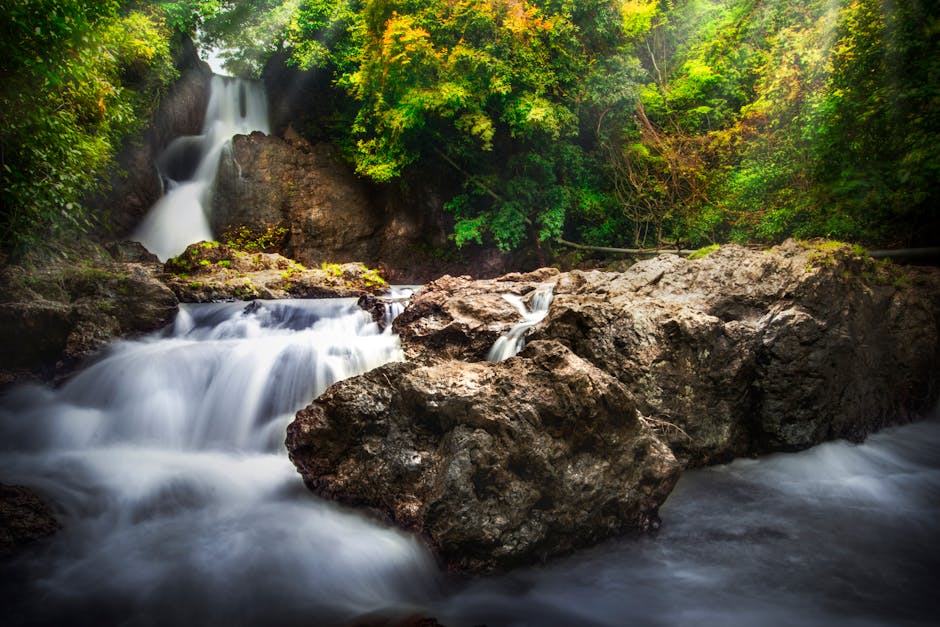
x=610, y=122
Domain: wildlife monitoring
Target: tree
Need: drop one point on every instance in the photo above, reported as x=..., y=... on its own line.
x=77, y=78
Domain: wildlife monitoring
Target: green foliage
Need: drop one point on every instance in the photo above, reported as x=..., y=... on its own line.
x=809, y=119
x=78, y=77
x=493, y=91
x=703, y=252
x=246, y=32
x=617, y=122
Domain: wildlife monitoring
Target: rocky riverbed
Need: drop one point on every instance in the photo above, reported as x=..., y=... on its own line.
x=632, y=375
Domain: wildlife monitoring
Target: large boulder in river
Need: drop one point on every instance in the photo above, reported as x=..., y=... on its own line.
x=738, y=353
x=494, y=464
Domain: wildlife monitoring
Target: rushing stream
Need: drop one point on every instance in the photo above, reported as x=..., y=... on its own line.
x=166, y=465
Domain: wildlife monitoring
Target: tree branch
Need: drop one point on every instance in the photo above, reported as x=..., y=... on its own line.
x=626, y=251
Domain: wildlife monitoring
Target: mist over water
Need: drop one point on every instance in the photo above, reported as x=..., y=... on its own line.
x=189, y=165
x=165, y=463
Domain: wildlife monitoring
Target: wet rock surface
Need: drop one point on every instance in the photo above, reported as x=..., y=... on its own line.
x=24, y=519
x=460, y=318
x=494, y=464
x=56, y=312
x=631, y=376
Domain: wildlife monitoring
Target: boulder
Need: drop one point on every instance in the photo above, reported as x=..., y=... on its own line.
x=739, y=353
x=630, y=376
x=459, y=318
x=56, y=312
x=494, y=464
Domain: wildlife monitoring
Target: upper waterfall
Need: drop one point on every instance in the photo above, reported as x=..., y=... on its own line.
x=188, y=166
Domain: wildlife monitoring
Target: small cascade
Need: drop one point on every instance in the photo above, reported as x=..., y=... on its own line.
x=512, y=342
x=189, y=164
x=166, y=462
x=395, y=303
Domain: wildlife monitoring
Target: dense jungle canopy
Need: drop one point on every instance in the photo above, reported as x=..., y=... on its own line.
x=608, y=122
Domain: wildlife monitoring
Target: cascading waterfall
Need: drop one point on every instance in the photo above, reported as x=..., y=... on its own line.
x=166, y=461
x=513, y=341
x=189, y=164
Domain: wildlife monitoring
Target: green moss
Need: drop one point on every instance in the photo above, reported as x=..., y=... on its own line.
x=332, y=269
x=703, y=252
x=373, y=279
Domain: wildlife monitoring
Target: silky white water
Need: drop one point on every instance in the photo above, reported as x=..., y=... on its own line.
x=189, y=165
x=164, y=462
x=513, y=341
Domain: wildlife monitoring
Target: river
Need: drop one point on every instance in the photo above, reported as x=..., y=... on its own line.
x=165, y=462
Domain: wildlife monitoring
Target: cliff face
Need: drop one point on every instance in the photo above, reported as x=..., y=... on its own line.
x=629, y=376
x=333, y=216
x=303, y=187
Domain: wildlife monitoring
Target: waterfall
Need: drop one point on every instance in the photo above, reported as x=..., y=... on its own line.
x=188, y=167
x=512, y=342
x=166, y=462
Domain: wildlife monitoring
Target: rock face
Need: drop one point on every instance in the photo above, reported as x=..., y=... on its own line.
x=54, y=314
x=303, y=187
x=495, y=464
x=333, y=216
x=577, y=437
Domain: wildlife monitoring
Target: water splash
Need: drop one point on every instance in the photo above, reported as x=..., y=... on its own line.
x=512, y=342
x=189, y=164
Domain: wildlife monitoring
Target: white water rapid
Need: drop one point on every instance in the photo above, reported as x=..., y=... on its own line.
x=189, y=164
x=164, y=462
x=513, y=341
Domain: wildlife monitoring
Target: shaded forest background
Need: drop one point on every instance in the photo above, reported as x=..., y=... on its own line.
x=607, y=122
